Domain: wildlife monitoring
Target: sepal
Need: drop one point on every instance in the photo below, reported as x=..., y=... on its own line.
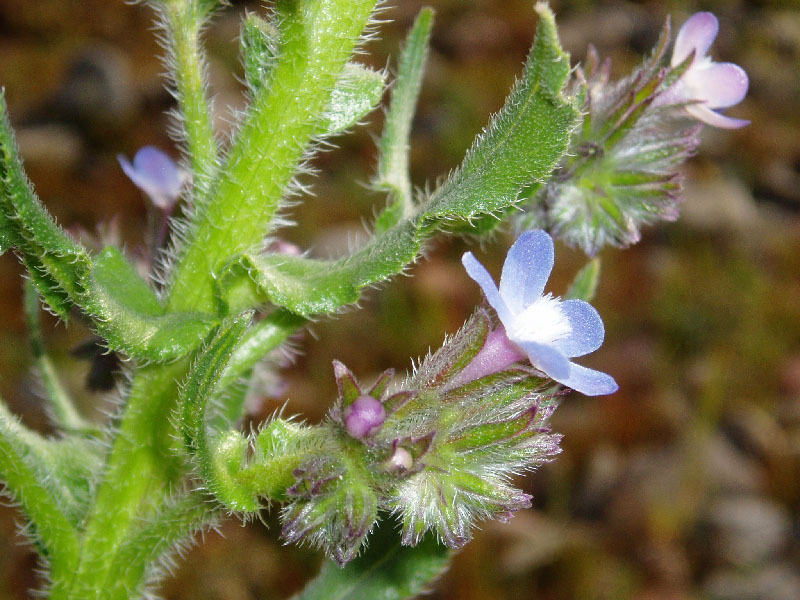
x=332, y=508
x=621, y=171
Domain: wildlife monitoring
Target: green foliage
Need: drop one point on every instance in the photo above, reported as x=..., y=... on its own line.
x=393, y=148
x=259, y=48
x=523, y=143
x=123, y=308
x=358, y=92
x=130, y=317
x=28, y=470
x=220, y=456
x=388, y=571
x=443, y=458
x=63, y=410
x=316, y=42
x=183, y=21
x=584, y=286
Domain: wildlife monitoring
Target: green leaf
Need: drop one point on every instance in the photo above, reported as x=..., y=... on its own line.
x=264, y=336
x=163, y=534
x=182, y=22
x=218, y=459
x=24, y=470
x=6, y=232
x=259, y=47
x=393, y=147
x=128, y=314
x=124, y=310
x=62, y=408
x=309, y=286
x=523, y=143
x=55, y=262
x=585, y=283
x=386, y=570
x=358, y=91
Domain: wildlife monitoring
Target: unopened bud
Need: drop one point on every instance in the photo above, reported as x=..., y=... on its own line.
x=364, y=417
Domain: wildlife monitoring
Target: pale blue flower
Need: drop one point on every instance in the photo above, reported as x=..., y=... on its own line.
x=706, y=84
x=156, y=174
x=549, y=330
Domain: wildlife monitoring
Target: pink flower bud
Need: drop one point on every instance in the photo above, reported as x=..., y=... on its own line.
x=364, y=417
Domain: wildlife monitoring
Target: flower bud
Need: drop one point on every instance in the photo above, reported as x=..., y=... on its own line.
x=364, y=417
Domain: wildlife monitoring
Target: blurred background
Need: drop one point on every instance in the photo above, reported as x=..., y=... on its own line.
x=684, y=484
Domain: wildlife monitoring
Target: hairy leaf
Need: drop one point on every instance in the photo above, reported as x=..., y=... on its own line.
x=393, y=147
x=123, y=308
x=28, y=472
x=221, y=457
x=130, y=317
x=358, y=91
x=523, y=143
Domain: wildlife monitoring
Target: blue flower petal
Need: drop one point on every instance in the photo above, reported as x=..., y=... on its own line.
x=526, y=270
x=155, y=173
x=588, y=381
x=587, y=329
x=546, y=358
x=482, y=277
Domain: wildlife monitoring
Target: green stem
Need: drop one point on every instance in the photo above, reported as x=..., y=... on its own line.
x=317, y=39
x=51, y=528
x=174, y=524
x=145, y=460
x=64, y=413
x=184, y=22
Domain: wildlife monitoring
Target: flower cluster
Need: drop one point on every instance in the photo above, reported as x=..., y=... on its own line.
x=440, y=452
x=622, y=168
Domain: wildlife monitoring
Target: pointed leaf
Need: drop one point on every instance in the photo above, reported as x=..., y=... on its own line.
x=63, y=410
x=218, y=459
x=258, y=341
x=24, y=470
x=358, y=91
x=524, y=141
x=585, y=283
x=259, y=47
x=393, y=147
x=385, y=570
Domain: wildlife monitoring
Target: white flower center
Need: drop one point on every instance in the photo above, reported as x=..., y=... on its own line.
x=543, y=322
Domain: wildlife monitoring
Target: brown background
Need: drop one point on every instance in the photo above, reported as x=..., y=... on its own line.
x=684, y=484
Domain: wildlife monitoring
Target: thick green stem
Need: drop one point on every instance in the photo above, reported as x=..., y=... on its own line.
x=139, y=471
x=317, y=39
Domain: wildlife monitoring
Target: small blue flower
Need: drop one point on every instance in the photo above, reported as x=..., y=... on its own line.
x=156, y=174
x=550, y=331
x=706, y=84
